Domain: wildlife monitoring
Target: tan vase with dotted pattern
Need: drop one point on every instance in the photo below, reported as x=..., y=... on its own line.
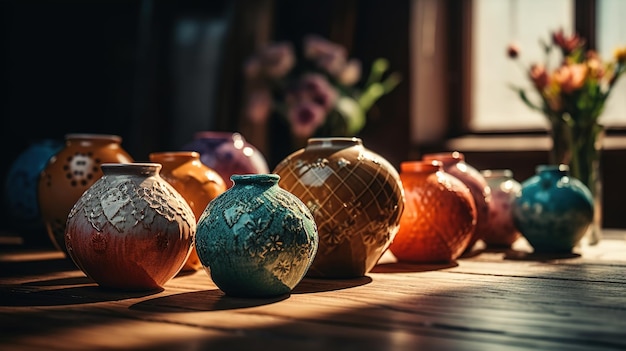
x=70, y=173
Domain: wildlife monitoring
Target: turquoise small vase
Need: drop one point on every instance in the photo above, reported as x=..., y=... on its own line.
x=256, y=239
x=553, y=210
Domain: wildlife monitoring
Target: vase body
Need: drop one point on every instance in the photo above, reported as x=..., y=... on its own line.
x=256, y=239
x=197, y=183
x=227, y=154
x=439, y=217
x=579, y=146
x=70, y=173
x=553, y=210
x=20, y=190
x=131, y=229
x=454, y=164
x=501, y=231
x=356, y=198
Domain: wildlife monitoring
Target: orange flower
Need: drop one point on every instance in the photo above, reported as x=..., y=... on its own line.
x=620, y=54
x=595, y=65
x=539, y=76
x=570, y=77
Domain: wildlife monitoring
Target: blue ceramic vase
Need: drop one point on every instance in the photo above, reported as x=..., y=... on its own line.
x=256, y=239
x=553, y=210
x=20, y=190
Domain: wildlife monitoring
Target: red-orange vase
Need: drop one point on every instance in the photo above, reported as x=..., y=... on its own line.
x=197, y=183
x=454, y=164
x=70, y=173
x=439, y=216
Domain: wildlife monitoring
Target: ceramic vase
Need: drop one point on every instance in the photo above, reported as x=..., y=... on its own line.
x=20, y=190
x=454, y=164
x=553, y=210
x=70, y=173
x=227, y=154
x=197, y=183
x=256, y=239
x=131, y=229
x=501, y=231
x=356, y=198
x=439, y=218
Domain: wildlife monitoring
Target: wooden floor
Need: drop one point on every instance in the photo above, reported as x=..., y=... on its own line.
x=492, y=300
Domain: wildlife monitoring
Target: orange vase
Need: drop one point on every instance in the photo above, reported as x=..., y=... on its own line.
x=197, y=183
x=70, y=173
x=454, y=164
x=439, y=216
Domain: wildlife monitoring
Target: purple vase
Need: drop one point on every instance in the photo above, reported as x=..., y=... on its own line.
x=227, y=153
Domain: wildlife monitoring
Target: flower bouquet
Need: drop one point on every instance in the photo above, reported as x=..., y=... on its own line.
x=315, y=94
x=572, y=96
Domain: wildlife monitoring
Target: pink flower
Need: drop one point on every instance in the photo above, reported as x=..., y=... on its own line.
x=567, y=44
x=276, y=60
x=351, y=73
x=305, y=117
x=327, y=55
x=316, y=88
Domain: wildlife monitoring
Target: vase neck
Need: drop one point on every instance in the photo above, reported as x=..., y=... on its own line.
x=266, y=180
x=447, y=158
x=175, y=158
x=91, y=139
x=139, y=169
x=420, y=167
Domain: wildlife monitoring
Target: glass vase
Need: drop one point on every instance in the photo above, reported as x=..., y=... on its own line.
x=580, y=146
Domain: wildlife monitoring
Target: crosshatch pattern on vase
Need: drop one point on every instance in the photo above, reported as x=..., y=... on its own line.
x=356, y=198
x=256, y=239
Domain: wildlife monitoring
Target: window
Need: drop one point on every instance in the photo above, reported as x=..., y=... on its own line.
x=496, y=23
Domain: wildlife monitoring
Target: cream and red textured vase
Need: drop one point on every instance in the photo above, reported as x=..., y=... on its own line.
x=356, y=198
x=131, y=230
x=70, y=173
x=196, y=182
x=454, y=164
x=501, y=231
x=439, y=216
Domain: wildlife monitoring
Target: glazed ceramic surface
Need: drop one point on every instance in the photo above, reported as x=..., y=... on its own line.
x=256, y=239
x=131, y=230
x=20, y=189
x=356, y=198
x=454, y=164
x=439, y=218
x=227, y=154
x=501, y=231
x=553, y=210
x=196, y=182
x=70, y=173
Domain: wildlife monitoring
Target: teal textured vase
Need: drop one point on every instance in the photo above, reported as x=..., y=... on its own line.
x=256, y=239
x=553, y=210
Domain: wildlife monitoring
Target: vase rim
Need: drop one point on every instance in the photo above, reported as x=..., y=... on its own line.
x=255, y=178
x=90, y=136
x=333, y=141
x=170, y=156
x=561, y=168
x=421, y=166
x=497, y=173
x=216, y=134
x=445, y=157
x=143, y=168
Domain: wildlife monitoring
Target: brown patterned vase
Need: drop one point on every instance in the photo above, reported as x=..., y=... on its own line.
x=356, y=198
x=131, y=230
x=197, y=183
x=70, y=173
x=439, y=218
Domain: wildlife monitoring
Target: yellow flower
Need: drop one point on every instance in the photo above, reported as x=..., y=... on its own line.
x=620, y=54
